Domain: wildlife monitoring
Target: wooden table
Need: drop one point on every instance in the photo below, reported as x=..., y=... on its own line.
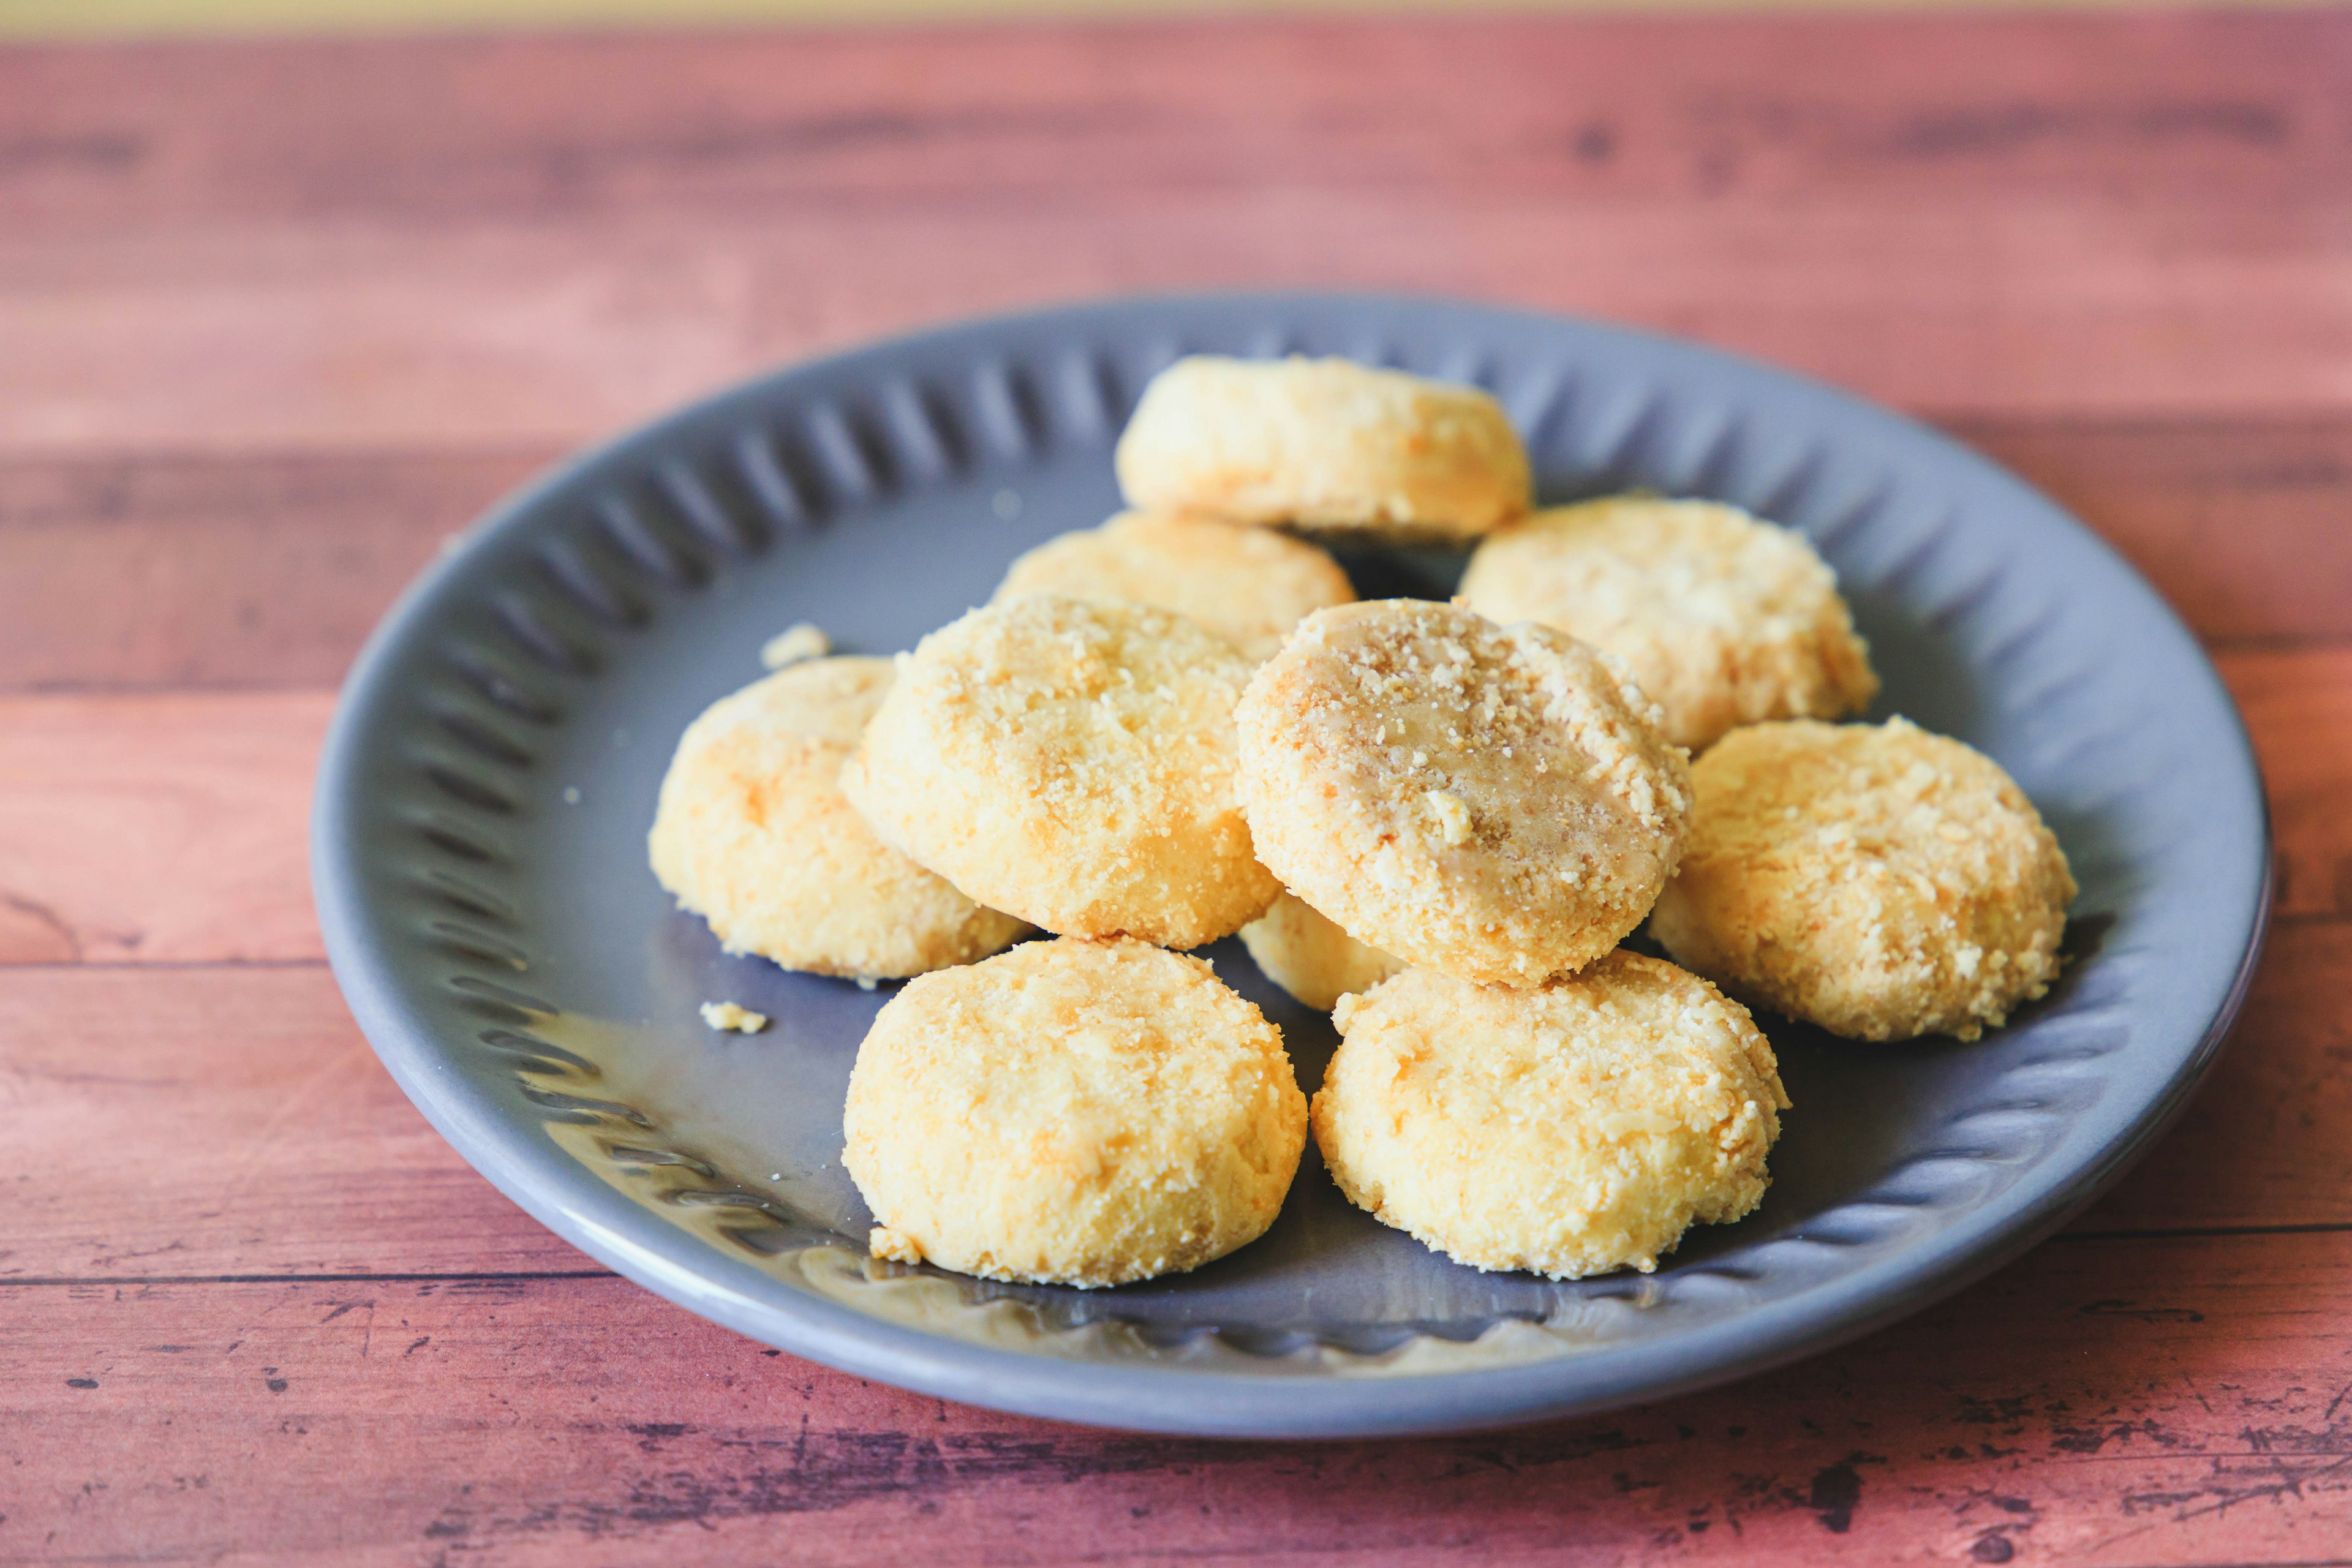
x=275, y=318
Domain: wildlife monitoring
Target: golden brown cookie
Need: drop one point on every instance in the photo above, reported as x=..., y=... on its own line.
x=1310, y=957
x=1325, y=443
x=1876, y=879
x=753, y=833
x=1247, y=584
x=1071, y=762
x=1569, y=1130
x=1494, y=802
x=1723, y=619
x=1072, y=1112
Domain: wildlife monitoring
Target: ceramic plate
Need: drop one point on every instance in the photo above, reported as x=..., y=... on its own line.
x=480, y=851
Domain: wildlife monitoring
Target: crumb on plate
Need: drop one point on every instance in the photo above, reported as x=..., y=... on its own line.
x=728, y=1015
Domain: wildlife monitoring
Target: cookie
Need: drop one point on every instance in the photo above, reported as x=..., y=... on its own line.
x=1071, y=762
x=1876, y=879
x=751, y=833
x=1072, y=1112
x=1723, y=619
x=1324, y=444
x=1569, y=1130
x=1494, y=802
x=1310, y=957
x=1249, y=586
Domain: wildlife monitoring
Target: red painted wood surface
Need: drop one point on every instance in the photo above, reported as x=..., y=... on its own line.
x=275, y=318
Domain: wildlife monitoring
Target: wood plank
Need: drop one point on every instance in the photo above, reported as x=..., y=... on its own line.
x=2264, y=1143
x=158, y=829
x=266, y=1140
x=2099, y=1404
x=2238, y=523
x=225, y=1121
x=216, y=786
x=507, y=334
x=2233, y=108
x=2298, y=706
x=144, y=20
x=2115, y=219
x=269, y=569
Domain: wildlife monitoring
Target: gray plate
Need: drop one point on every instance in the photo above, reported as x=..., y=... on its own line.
x=480, y=853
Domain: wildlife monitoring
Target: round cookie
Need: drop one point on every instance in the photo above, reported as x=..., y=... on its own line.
x=1323, y=443
x=1249, y=586
x=1880, y=882
x=753, y=833
x=1070, y=761
x=1724, y=620
x=1310, y=957
x=1072, y=1112
x=1569, y=1130
x=1494, y=802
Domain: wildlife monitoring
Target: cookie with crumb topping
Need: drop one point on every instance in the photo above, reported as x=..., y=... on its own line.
x=1249, y=586
x=1723, y=618
x=1876, y=879
x=1071, y=762
x=1323, y=443
x=1571, y=1128
x=1081, y=1113
x=1494, y=802
x=1310, y=957
x=751, y=833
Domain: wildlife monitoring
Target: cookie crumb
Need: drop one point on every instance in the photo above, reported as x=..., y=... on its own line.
x=896, y=1246
x=793, y=644
x=724, y=1015
x=1452, y=816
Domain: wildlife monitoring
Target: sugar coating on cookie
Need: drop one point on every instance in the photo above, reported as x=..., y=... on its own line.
x=1569, y=1130
x=1310, y=956
x=1071, y=762
x=1073, y=1113
x=1723, y=618
x=1876, y=879
x=1494, y=802
x=1324, y=444
x=752, y=832
x=1247, y=584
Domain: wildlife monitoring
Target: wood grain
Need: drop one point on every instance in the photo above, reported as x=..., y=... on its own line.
x=2298, y=708
x=215, y=785
x=487, y=245
x=2101, y=1403
x=269, y=569
x=180, y=572
x=496, y=336
x=2238, y=523
x=163, y=829
x=2244, y=110
x=248, y=1131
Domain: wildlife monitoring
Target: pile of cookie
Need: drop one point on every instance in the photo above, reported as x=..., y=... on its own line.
x=1438, y=821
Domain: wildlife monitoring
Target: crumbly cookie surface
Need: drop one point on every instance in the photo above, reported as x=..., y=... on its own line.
x=1880, y=882
x=1494, y=802
x=1249, y=586
x=1324, y=444
x=1074, y=1112
x=1310, y=956
x=1724, y=619
x=1569, y=1130
x=1071, y=762
x=752, y=832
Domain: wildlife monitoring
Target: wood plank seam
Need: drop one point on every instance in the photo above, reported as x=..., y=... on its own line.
x=495, y=1276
